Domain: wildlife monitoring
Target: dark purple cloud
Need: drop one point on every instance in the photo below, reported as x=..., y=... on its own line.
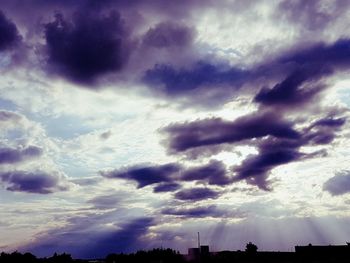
x=172, y=81
x=89, y=239
x=195, y=194
x=168, y=177
x=289, y=91
x=214, y=173
x=324, y=130
x=321, y=55
x=9, y=35
x=329, y=122
x=272, y=153
x=32, y=182
x=298, y=73
x=339, y=184
x=145, y=175
x=90, y=45
x=166, y=187
x=11, y=155
x=216, y=131
x=195, y=212
x=125, y=240
x=276, y=139
x=174, y=9
x=168, y=34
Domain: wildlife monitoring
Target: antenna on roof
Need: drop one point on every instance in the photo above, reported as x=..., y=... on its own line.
x=199, y=242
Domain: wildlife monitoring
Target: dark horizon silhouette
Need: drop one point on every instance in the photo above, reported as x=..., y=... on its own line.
x=127, y=125
x=309, y=253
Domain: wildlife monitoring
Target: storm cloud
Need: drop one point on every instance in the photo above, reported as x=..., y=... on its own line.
x=272, y=153
x=168, y=34
x=289, y=91
x=90, y=45
x=195, y=194
x=172, y=81
x=89, y=239
x=214, y=173
x=276, y=140
x=166, y=187
x=38, y=182
x=9, y=37
x=145, y=175
x=298, y=73
x=12, y=155
x=217, y=131
x=245, y=97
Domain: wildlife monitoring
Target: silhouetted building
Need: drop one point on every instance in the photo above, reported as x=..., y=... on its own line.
x=193, y=253
x=323, y=252
x=204, y=251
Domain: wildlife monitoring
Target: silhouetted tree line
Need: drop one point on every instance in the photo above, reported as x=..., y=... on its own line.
x=309, y=254
x=17, y=257
x=158, y=255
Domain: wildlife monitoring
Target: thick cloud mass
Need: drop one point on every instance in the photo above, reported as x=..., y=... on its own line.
x=313, y=14
x=32, y=182
x=145, y=175
x=87, y=239
x=289, y=92
x=208, y=132
x=9, y=35
x=272, y=153
x=91, y=45
x=209, y=211
x=320, y=55
x=166, y=187
x=196, y=194
x=214, y=173
x=262, y=84
x=168, y=177
x=10, y=155
x=277, y=141
x=339, y=184
x=174, y=81
x=168, y=34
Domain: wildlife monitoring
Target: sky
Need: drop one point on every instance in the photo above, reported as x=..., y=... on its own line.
x=130, y=125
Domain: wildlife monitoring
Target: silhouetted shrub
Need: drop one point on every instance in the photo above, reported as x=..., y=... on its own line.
x=251, y=248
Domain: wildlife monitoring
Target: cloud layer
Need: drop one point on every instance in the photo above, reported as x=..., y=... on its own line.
x=128, y=125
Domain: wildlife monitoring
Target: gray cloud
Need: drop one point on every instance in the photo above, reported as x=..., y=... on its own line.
x=195, y=194
x=87, y=238
x=145, y=175
x=168, y=34
x=12, y=156
x=201, y=212
x=105, y=201
x=38, y=182
x=312, y=14
x=10, y=37
x=339, y=184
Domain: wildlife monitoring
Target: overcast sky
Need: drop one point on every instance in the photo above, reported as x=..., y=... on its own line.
x=129, y=125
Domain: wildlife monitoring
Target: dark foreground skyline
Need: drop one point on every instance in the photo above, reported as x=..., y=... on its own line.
x=309, y=253
x=132, y=124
